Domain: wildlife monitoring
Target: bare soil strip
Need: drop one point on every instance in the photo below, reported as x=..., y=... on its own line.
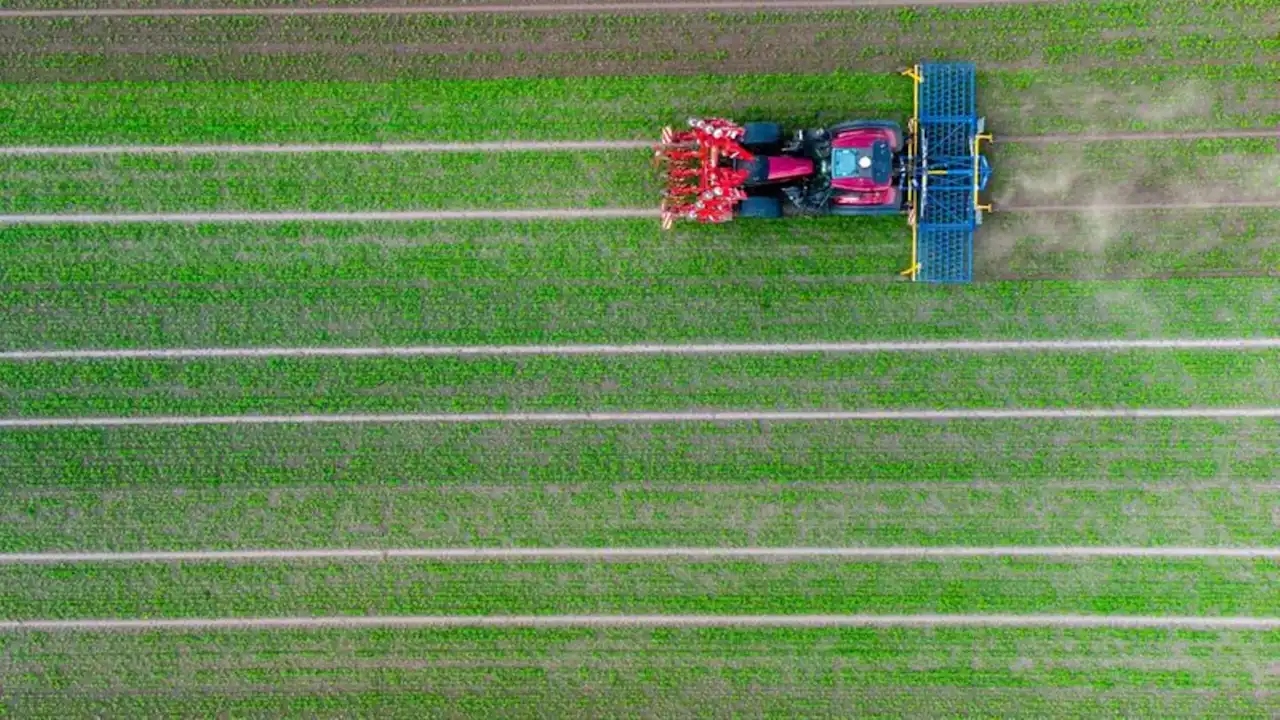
x=1259, y=133
x=657, y=553
x=555, y=145
x=1130, y=207
x=495, y=9
x=363, y=216
x=301, y=149
x=655, y=417
x=621, y=621
x=649, y=349
x=540, y=214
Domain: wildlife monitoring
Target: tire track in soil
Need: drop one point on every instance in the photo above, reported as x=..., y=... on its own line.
x=1225, y=134
x=595, y=350
x=642, y=417
x=1124, y=277
x=639, y=621
x=516, y=554
x=541, y=214
x=503, y=9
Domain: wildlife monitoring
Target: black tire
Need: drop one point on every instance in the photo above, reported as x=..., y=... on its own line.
x=761, y=135
x=760, y=207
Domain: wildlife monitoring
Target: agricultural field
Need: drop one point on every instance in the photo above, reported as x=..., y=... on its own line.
x=517, y=451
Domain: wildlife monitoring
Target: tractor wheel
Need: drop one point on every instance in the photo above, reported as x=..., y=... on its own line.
x=761, y=135
x=760, y=207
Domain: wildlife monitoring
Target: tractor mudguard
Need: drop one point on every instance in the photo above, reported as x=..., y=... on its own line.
x=849, y=210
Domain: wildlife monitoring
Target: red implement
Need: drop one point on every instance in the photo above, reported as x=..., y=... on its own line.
x=697, y=153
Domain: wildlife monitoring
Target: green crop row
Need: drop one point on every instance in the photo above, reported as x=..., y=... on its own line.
x=327, y=182
x=549, y=108
x=393, y=47
x=1015, y=102
x=1153, y=97
x=1110, y=586
x=516, y=253
x=189, y=51
x=1018, y=22
x=709, y=492
x=629, y=672
x=670, y=310
x=658, y=688
x=523, y=254
x=732, y=454
x=1195, y=378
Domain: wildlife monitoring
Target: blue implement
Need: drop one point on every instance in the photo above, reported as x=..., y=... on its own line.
x=947, y=172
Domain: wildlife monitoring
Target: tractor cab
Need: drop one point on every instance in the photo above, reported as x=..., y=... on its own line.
x=862, y=168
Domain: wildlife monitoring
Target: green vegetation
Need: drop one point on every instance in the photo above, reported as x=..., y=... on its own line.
x=530, y=109
x=730, y=453
x=1057, y=35
x=327, y=182
x=596, y=672
x=515, y=253
x=1049, y=67
x=1195, y=378
x=1023, y=101
x=1202, y=587
x=1131, y=244
x=306, y=312
x=1158, y=484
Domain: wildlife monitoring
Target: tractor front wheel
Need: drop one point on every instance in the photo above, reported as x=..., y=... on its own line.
x=761, y=136
x=760, y=207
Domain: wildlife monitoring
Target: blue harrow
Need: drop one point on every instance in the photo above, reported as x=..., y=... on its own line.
x=946, y=171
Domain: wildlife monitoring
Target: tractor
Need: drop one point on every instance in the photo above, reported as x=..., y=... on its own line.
x=931, y=172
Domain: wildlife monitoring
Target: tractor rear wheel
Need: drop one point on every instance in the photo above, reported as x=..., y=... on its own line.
x=760, y=207
x=761, y=136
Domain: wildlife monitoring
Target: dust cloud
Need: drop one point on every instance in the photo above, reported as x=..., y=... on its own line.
x=1097, y=242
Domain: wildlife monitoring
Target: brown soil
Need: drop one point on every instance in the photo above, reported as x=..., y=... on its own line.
x=71, y=8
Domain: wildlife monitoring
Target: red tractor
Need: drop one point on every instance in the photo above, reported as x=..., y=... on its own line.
x=718, y=170
x=933, y=173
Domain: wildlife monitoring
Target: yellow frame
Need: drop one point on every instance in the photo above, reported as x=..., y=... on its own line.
x=913, y=72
